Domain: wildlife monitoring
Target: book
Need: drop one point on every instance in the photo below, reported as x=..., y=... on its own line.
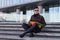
x=33, y=22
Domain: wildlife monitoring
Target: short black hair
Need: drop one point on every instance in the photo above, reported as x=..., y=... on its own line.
x=35, y=7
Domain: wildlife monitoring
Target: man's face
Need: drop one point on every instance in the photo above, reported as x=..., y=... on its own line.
x=36, y=11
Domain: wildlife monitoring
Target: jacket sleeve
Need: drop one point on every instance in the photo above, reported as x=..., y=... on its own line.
x=43, y=22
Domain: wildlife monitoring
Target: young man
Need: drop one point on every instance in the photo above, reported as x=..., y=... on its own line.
x=35, y=24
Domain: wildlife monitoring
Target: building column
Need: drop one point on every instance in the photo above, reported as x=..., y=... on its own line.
x=18, y=11
x=24, y=16
x=18, y=14
x=40, y=9
x=46, y=15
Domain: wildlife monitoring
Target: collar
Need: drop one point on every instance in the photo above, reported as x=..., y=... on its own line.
x=36, y=14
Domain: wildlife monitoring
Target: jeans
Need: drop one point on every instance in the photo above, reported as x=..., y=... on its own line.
x=34, y=28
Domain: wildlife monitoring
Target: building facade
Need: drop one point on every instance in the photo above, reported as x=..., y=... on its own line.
x=50, y=15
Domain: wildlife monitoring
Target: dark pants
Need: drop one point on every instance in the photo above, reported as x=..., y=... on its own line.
x=29, y=29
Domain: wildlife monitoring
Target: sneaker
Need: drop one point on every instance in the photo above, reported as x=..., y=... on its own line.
x=31, y=35
x=22, y=35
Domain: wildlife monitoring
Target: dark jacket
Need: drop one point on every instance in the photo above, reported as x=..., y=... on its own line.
x=38, y=18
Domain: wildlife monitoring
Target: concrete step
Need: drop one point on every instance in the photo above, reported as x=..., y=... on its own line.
x=9, y=37
x=18, y=33
x=10, y=26
x=18, y=23
x=10, y=23
x=21, y=29
x=52, y=25
x=43, y=35
x=20, y=26
x=12, y=32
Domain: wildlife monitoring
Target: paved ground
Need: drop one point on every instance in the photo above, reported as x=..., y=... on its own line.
x=27, y=38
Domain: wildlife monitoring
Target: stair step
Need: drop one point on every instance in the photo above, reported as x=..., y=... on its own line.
x=8, y=37
x=10, y=23
x=19, y=26
x=12, y=30
x=52, y=25
x=10, y=26
x=45, y=35
x=18, y=33
x=21, y=29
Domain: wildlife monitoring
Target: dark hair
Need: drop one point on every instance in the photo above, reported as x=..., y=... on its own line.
x=35, y=7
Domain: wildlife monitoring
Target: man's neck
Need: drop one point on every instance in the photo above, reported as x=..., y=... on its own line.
x=36, y=14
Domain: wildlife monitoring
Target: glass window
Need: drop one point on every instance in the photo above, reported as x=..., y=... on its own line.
x=56, y=9
x=54, y=14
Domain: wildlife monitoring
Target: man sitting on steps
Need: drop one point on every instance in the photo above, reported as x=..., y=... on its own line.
x=35, y=25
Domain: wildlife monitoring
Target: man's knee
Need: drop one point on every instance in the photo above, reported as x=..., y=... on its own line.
x=24, y=24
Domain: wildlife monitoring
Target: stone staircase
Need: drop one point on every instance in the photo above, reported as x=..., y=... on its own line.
x=12, y=30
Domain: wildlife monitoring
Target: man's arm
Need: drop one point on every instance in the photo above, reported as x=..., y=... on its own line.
x=43, y=22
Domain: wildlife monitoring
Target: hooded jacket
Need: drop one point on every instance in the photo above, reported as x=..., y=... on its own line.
x=38, y=18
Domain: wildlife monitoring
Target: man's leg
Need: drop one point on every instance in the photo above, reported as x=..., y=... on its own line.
x=31, y=34
x=29, y=30
x=25, y=26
